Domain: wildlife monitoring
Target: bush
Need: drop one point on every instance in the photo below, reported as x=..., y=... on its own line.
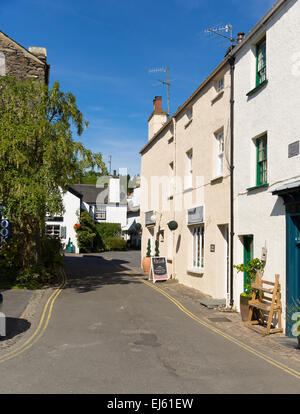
x=51, y=254
x=87, y=233
x=106, y=230
x=116, y=244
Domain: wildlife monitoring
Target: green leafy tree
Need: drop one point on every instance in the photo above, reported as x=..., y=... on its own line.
x=38, y=158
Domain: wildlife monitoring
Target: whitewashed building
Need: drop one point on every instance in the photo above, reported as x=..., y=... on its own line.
x=103, y=203
x=266, y=148
x=132, y=230
x=63, y=226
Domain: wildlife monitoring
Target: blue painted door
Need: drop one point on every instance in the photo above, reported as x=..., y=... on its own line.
x=293, y=267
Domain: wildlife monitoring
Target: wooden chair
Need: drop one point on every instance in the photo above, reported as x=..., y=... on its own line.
x=265, y=304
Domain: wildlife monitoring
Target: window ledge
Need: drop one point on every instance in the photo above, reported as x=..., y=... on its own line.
x=196, y=272
x=258, y=187
x=188, y=124
x=257, y=88
x=217, y=97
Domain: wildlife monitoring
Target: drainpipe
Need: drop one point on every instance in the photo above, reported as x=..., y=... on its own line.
x=231, y=60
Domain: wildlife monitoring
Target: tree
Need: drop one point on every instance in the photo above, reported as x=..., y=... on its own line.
x=38, y=158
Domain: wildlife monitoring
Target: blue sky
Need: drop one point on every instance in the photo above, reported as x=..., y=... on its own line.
x=102, y=51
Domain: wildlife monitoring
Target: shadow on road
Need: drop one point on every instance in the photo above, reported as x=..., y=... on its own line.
x=92, y=272
x=14, y=327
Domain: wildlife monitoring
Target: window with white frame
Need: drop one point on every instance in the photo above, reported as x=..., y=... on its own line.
x=53, y=230
x=220, y=84
x=219, y=153
x=100, y=212
x=189, y=113
x=189, y=170
x=198, y=247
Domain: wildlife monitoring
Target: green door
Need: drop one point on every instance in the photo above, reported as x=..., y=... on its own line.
x=248, y=255
x=293, y=268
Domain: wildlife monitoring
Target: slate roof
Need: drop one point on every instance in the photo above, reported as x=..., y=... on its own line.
x=89, y=192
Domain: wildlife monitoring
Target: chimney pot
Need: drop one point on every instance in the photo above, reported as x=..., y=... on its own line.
x=241, y=36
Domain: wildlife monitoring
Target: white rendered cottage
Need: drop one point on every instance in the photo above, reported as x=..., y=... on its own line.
x=266, y=149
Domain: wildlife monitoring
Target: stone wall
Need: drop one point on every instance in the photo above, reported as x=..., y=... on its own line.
x=17, y=61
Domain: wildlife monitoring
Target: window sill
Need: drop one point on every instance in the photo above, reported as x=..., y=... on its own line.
x=188, y=124
x=257, y=88
x=258, y=187
x=196, y=272
x=217, y=97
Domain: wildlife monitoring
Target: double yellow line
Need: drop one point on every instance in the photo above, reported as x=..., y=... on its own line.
x=241, y=344
x=42, y=326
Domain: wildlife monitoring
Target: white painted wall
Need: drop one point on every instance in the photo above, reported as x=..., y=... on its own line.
x=116, y=214
x=72, y=208
x=275, y=110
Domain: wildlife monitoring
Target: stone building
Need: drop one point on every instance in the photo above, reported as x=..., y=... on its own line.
x=17, y=61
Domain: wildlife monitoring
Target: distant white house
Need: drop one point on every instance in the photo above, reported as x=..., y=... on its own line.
x=131, y=230
x=63, y=226
x=103, y=203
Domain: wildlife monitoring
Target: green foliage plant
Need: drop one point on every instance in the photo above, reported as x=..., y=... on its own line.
x=116, y=244
x=251, y=270
x=156, y=248
x=148, y=254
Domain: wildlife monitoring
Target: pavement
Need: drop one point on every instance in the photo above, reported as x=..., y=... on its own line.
x=110, y=332
x=15, y=302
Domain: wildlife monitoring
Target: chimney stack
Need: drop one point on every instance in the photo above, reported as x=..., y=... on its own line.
x=39, y=52
x=157, y=119
x=241, y=36
x=157, y=104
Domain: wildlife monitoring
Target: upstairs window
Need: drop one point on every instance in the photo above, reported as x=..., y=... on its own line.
x=220, y=85
x=262, y=160
x=220, y=153
x=189, y=170
x=261, y=62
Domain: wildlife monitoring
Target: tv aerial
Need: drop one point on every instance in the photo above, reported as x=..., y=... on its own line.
x=221, y=30
x=166, y=83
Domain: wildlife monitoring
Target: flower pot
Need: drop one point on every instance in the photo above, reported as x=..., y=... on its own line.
x=146, y=262
x=244, y=306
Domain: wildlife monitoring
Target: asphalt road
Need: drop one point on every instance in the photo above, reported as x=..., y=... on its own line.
x=110, y=333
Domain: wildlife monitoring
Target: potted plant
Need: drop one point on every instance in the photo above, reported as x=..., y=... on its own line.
x=156, y=248
x=147, y=260
x=293, y=315
x=251, y=270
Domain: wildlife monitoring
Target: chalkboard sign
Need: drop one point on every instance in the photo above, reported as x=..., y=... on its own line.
x=158, y=269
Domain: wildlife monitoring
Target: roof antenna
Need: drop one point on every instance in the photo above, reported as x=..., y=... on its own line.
x=167, y=83
x=219, y=31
